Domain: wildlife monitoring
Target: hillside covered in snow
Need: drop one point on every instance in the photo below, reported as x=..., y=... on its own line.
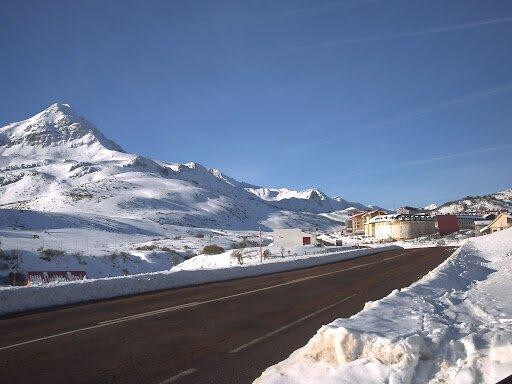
x=58, y=162
x=495, y=201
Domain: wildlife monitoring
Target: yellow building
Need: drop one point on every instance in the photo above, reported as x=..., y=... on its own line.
x=369, y=230
x=503, y=221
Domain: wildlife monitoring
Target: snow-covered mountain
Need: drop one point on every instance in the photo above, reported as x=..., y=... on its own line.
x=311, y=200
x=494, y=201
x=56, y=132
x=58, y=162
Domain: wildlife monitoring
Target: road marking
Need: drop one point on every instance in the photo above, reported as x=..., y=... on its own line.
x=150, y=313
x=49, y=337
x=285, y=327
x=179, y=376
x=197, y=303
x=107, y=323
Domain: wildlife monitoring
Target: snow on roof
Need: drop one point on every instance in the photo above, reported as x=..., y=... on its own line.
x=326, y=237
x=400, y=217
x=495, y=220
x=469, y=216
x=299, y=231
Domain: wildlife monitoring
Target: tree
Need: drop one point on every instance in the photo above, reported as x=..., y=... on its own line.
x=239, y=255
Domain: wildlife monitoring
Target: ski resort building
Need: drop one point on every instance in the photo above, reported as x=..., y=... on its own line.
x=292, y=237
x=467, y=220
x=368, y=229
x=401, y=227
x=407, y=210
x=330, y=240
x=360, y=220
x=503, y=221
x=481, y=224
x=357, y=221
x=447, y=224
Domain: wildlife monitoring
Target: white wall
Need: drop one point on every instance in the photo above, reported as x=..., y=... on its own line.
x=290, y=237
x=403, y=230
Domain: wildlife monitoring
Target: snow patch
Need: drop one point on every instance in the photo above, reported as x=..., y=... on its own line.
x=15, y=299
x=453, y=326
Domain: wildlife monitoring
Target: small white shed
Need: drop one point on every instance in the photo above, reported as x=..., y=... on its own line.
x=292, y=237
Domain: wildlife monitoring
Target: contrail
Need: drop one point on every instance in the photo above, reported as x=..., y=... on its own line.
x=417, y=162
x=435, y=108
x=404, y=35
x=409, y=116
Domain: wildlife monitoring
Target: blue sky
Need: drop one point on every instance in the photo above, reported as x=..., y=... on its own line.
x=387, y=102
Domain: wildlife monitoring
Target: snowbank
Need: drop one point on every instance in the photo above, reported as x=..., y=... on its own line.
x=453, y=326
x=15, y=299
x=251, y=256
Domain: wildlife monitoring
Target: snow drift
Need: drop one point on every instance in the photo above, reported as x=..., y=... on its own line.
x=453, y=326
x=16, y=299
x=58, y=161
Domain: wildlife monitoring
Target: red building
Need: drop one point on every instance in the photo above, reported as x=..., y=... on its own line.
x=447, y=224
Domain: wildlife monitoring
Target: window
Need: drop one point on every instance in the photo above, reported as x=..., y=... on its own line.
x=306, y=240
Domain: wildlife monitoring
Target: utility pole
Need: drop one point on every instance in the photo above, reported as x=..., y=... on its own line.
x=261, y=248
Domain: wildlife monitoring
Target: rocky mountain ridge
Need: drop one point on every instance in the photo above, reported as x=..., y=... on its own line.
x=57, y=161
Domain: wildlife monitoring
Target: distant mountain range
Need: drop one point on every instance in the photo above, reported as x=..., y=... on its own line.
x=58, y=162
x=494, y=201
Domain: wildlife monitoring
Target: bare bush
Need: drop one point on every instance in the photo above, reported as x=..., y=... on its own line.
x=49, y=253
x=212, y=249
x=124, y=255
x=238, y=254
x=148, y=247
x=245, y=243
x=168, y=250
x=190, y=255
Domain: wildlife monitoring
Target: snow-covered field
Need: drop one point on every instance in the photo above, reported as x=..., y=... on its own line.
x=251, y=256
x=453, y=326
x=102, y=253
x=195, y=271
x=455, y=240
x=70, y=198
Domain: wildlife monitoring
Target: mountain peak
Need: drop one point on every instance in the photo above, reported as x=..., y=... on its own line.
x=54, y=113
x=57, y=126
x=63, y=107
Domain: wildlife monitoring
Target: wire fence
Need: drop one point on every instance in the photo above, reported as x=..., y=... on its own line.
x=83, y=245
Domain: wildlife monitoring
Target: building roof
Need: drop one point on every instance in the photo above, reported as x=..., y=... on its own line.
x=375, y=211
x=401, y=217
x=408, y=207
x=495, y=220
x=329, y=237
x=483, y=222
x=469, y=216
x=290, y=230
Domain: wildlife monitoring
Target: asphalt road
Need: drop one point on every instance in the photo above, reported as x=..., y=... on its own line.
x=226, y=332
